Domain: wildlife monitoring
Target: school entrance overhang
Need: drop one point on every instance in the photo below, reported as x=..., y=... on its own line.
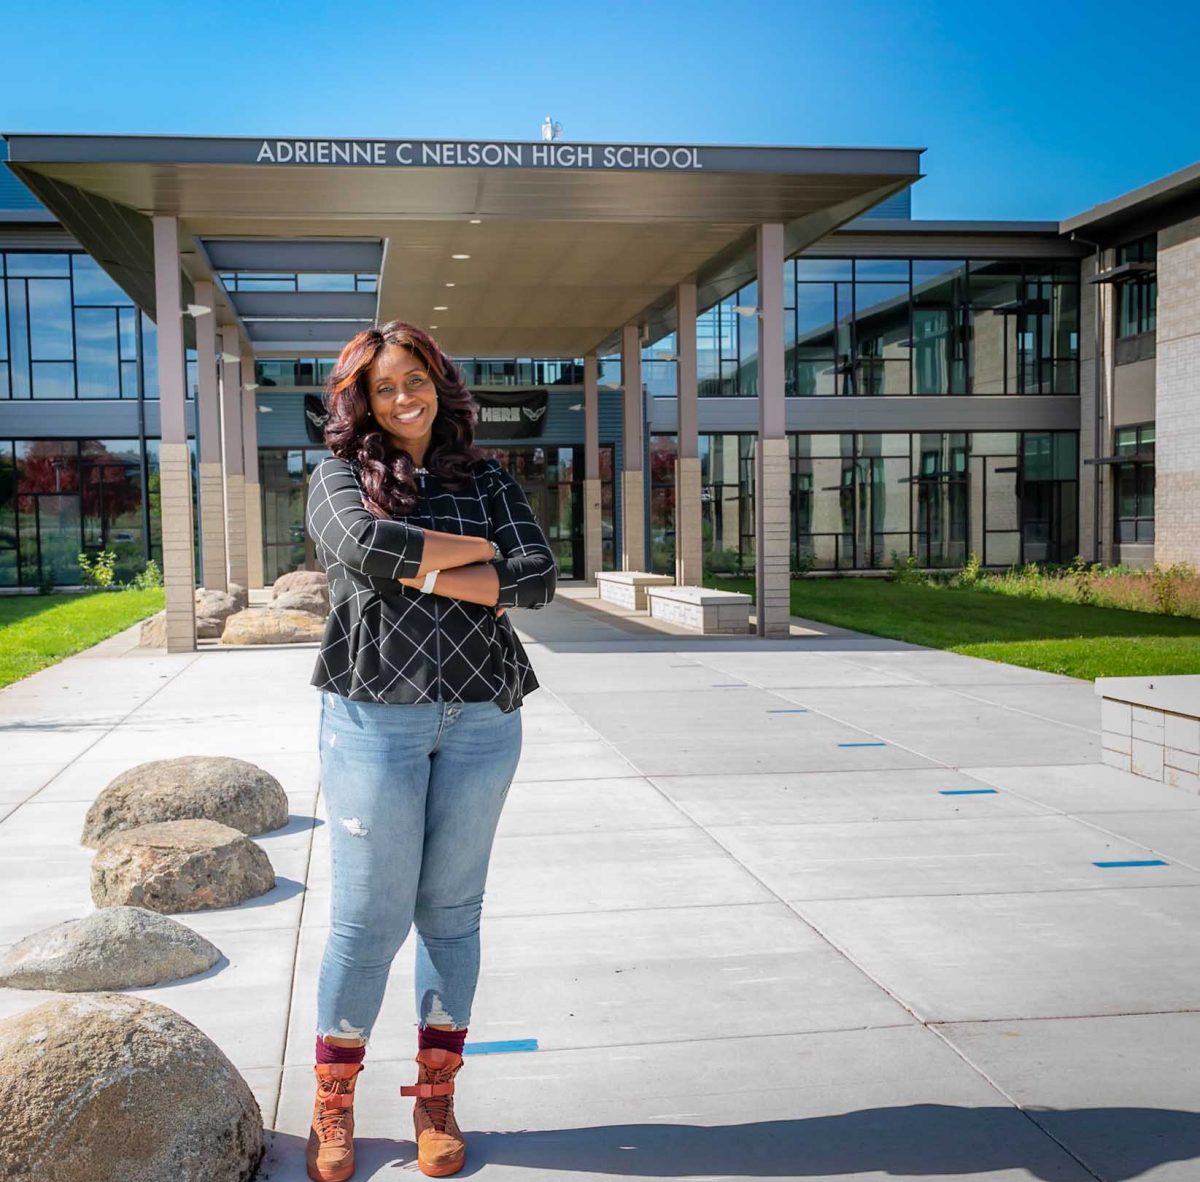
x=564, y=243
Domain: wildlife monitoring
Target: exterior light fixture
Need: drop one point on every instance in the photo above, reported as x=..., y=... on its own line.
x=441, y=308
x=198, y=310
x=460, y=256
x=228, y=358
x=250, y=387
x=746, y=310
x=449, y=284
x=266, y=410
x=476, y=221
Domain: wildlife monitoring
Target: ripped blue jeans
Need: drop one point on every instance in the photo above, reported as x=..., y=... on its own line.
x=413, y=795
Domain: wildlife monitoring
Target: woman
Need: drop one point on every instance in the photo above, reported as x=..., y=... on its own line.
x=426, y=544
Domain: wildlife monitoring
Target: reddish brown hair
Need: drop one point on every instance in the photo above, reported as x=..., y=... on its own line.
x=353, y=434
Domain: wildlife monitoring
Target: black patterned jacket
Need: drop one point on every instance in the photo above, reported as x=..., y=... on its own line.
x=385, y=642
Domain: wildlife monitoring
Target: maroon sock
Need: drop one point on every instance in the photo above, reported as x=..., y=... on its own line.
x=448, y=1040
x=328, y=1052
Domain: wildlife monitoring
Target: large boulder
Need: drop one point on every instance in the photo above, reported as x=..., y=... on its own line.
x=213, y=608
x=313, y=599
x=153, y=632
x=179, y=866
x=190, y=787
x=259, y=626
x=109, y=1088
x=115, y=948
x=240, y=595
x=296, y=579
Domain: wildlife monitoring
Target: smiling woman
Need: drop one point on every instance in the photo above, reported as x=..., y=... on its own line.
x=426, y=543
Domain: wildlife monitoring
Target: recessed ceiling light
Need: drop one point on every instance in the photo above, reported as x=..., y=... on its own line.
x=449, y=284
x=433, y=326
x=460, y=256
x=441, y=308
x=476, y=221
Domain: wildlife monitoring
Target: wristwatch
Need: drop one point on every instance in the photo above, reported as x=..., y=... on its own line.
x=430, y=579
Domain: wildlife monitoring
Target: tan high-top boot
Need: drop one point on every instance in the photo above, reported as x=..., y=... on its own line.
x=330, y=1152
x=440, y=1146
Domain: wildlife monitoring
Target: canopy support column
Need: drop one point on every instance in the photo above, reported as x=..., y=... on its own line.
x=689, y=557
x=175, y=459
x=254, y=511
x=208, y=441
x=633, y=477
x=234, y=456
x=772, y=493
x=593, y=539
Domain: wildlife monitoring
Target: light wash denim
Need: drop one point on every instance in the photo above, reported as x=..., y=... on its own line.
x=413, y=795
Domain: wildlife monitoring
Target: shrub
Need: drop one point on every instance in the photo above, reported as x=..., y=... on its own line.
x=98, y=571
x=149, y=576
x=906, y=570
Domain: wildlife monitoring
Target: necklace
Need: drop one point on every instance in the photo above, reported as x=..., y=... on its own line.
x=421, y=471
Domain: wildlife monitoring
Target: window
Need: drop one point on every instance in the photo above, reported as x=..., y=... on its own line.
x=727, y=501
x=1137, y=299
x=1134, y=484
x=66, y=329
x=662, y=503
x=857, y=500
x=882, y=327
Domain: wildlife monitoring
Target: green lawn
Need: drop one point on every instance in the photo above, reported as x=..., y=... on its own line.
x=1067, y=638
x=38, y=630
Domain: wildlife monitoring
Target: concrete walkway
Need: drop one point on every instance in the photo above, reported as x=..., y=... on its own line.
x=819, y=908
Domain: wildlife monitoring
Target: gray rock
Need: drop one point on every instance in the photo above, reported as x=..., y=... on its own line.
x=240, y=596
x=259, y=626
x=190, y=787
x=296, y=579
x=179, y=866
x=153, y=633
x=216, y=605
x=116, y=948
x=108, y=1088
x=314, y=599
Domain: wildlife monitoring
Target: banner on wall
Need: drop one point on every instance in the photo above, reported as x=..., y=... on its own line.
x=513, y=414
x=315, y=417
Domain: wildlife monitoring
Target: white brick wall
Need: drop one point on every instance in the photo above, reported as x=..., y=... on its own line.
x=1177, y=401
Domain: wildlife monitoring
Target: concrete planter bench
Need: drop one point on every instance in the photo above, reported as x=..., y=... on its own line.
x=701, y=609
x=628, y=587
x=1151, y=727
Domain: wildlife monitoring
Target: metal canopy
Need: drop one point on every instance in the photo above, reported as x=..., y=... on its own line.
x=566, y=242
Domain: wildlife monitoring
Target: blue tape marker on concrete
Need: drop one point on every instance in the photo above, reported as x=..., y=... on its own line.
x=500, y=1048
x=797, y=710
x=862, y=744
x=967, y=791
x=1135, y=862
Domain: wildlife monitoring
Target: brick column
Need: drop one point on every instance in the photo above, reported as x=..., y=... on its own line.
x=593, y=547
x=208, y=446
x=1177, y=424
x=772, y=552
x=234, y=456
x=253, y=489
x=688, y=540
x=633, y=477
x=175, y=460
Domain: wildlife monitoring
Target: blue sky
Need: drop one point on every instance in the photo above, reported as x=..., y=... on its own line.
x=1026, y=110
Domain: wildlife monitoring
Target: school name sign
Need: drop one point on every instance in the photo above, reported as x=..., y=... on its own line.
x=480, y=154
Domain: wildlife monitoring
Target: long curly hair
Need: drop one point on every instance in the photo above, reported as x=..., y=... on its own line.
x=351, y=433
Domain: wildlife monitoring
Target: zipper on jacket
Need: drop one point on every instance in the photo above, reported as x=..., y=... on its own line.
x=437, y=623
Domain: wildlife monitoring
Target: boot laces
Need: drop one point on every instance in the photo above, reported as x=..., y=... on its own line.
x=439, y=1108
x=332, y=1122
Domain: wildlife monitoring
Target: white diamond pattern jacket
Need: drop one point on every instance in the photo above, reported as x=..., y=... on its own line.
x=385, y=642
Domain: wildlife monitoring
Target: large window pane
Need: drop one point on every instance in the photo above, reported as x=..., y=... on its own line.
x=93, y=286
x=97, y=353
x=50, y=334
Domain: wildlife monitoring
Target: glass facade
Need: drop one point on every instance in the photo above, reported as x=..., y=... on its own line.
x=1137, y=300
x=881, y=327
x=1134, y=484
x=67, y=331
x=61, y=497
x=859, y=499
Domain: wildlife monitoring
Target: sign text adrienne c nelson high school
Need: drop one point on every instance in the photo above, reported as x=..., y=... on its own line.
x=478, y=154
